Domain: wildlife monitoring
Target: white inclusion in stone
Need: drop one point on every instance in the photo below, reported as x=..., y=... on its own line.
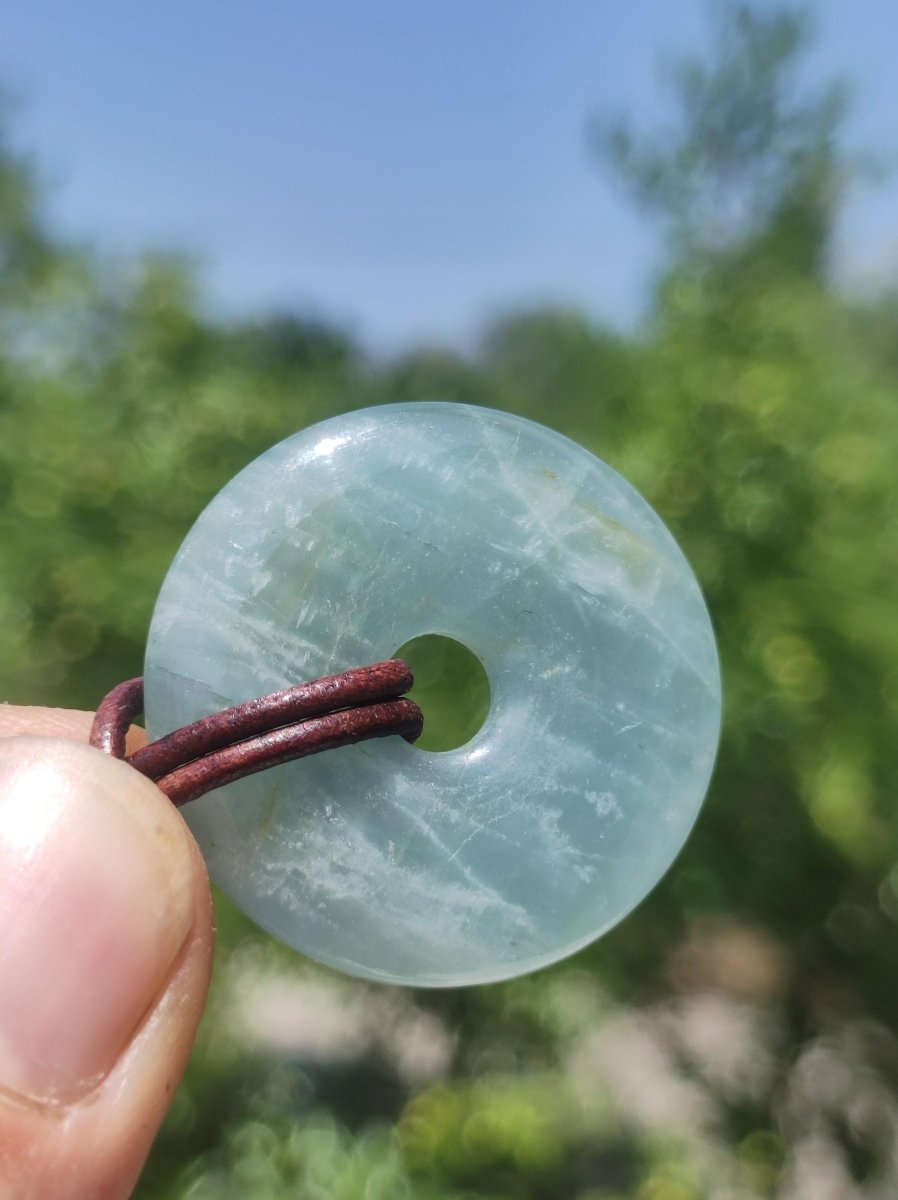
x=350, y=539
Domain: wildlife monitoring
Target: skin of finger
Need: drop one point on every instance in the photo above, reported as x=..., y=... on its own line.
x=57, y=722
x=94, y=1149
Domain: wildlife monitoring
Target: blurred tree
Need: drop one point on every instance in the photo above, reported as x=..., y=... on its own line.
x=546, y=362
x=27, y=253
x=736, y=1036
x=752, y=156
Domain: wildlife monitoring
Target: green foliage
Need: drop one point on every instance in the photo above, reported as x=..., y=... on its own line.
x=316, y=1161
x=121, y=414
x=451, y=689
x=735, y=1026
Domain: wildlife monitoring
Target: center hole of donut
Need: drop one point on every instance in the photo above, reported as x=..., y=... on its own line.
x=451, y=689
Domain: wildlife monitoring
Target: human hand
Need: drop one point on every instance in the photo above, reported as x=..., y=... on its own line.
x=105, y=952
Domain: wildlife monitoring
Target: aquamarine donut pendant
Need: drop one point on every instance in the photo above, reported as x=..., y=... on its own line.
x=353, y=537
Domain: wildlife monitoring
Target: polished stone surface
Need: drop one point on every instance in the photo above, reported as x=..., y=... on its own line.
x=349, y=539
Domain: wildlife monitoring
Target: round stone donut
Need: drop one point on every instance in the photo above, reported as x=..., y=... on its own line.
x=359, y=534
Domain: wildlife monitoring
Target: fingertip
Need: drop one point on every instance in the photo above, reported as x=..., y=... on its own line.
x=104, y=964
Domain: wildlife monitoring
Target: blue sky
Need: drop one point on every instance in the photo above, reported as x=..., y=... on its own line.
x=407, y=167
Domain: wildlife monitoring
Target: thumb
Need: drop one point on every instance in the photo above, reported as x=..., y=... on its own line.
x=105, y=951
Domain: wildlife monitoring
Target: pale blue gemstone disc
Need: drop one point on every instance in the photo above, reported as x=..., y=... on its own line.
x=355, y=536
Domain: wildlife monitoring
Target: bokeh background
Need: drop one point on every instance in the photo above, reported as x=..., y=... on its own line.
x=736, y=1038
